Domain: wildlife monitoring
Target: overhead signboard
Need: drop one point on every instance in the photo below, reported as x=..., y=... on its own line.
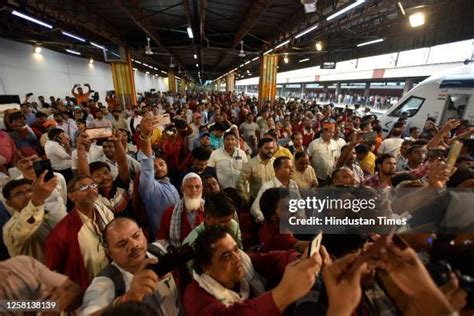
x=328, y=65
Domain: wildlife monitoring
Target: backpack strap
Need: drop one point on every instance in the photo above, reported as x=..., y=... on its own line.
x=113, y=273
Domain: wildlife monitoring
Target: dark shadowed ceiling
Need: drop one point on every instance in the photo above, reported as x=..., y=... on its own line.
x=220, y=25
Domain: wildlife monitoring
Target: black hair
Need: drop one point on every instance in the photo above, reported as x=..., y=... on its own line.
x=201, y=153
x=219, y=205
x=40, y=114
x=362, y=149
x=81, y=121
x=398, y=125
x=461, y=175
x=219, y=127
x=229, y=133
x=11, y=185
x=271, y=133
x=269, y=201
x=204, y=246
x=380, y=159
x=364, y=124
x=96, y=165
x=400, y=177
x=16, y=116
x=300, y=154
x=279, y=162
x=263, y=141
x=413, y=129
x=54, y=132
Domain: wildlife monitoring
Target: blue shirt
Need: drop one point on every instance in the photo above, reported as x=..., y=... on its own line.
x=157, y=195
x=4, y=217
x=216, y=142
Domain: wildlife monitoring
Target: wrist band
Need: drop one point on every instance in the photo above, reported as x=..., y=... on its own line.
x=145, y=137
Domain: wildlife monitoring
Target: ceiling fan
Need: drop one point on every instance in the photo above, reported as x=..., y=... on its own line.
x=242, y=53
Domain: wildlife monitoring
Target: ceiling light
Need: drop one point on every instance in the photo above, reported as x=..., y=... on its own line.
x=319, y=46
x=37, y=49
x=74, y=36
x=309, y=5
x=349, y=7
x=256, y=58
x=163, y=72
x=29, y=18
x=268, y=51
x=190, y=32
x=138, y=62
x=146, y=65
x=72, y=52
x=370, y=42
x=135, y=69
x=97, y=45
x=154, y=68
x=195, y=56
x=303, y=60
x=286, y=59
x=241, y=65
x=400, y=6
x=91, y=61
x=147, y=72
x=197, y=65
x=417, y=19
x=307, y=31
x=282, y=44
x=247, y=62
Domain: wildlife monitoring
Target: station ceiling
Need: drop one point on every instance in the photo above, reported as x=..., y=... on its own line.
x=219, y=26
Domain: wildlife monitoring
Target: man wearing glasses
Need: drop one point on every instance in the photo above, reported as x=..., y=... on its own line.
x=74, y=247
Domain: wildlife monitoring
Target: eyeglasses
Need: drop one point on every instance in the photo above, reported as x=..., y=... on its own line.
x=86, y=187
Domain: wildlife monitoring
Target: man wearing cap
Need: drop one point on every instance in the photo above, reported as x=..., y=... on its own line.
x=323, y=153
x=180, y=219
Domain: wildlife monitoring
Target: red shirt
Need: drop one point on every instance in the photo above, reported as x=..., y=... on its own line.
x=198, y=302
x=271, y=239
x=164, y=231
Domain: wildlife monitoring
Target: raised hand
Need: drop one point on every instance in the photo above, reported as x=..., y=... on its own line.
x=42, y=189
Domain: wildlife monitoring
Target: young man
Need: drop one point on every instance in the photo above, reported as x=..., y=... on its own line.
x=126, y=245
x=386, y=168
x=219, y=210
x=366, y=159
x=154, y=186
x=323, y=153
x=25, y=232
x=80, y=95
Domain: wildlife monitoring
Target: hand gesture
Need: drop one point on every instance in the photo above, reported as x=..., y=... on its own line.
x=438, y=174
x=450, y=124
x=42, y=189
x=341, y=284
x=83, y=142
x=144, y=282
x=63, y=139
x=148, y=124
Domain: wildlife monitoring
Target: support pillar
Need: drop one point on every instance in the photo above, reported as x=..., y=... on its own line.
x=218, y=84
x=171, y=82
x=338, y=92
x=182, y=86
x=124, y=82
x=268, y=75
x=408, y=86
x=230, y=82
x=366, y=93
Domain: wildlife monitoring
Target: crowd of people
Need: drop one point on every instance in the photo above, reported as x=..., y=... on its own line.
x=181, y=209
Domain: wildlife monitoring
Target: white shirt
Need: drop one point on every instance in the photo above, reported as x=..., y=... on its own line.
x=228, y=167
x=273, y=183
x=323, y=157
x=95, y=153
x=60, y=159
x=391, y=146
x=101, y=293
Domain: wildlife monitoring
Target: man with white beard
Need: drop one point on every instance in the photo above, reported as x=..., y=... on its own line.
x=180, y=219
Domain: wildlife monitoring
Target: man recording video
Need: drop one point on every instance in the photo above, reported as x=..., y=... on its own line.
x=129, y=278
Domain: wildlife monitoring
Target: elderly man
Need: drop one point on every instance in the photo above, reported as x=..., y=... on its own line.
x=128, y=278
x=180, y=219
x=226, y=281
x=25, y=232
x=74, y=247
x=154, y=187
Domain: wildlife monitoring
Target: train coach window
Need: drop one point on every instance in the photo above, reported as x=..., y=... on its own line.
x=409, y=107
